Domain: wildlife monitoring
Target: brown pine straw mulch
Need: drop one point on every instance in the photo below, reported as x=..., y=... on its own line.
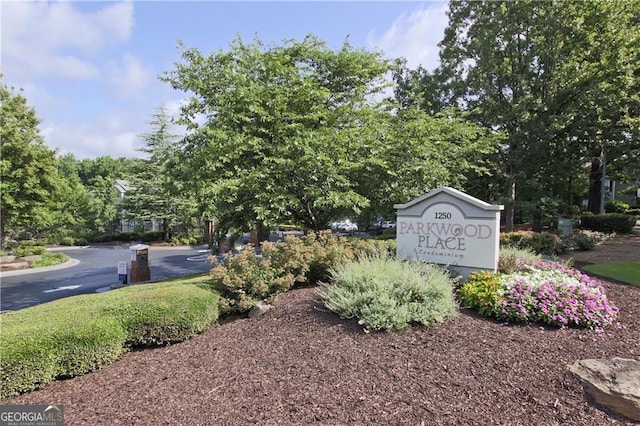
x=299, y=364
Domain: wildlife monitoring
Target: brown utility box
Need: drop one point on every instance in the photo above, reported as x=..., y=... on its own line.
x=140, y=263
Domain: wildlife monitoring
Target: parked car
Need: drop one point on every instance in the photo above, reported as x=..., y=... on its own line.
x=347, y=226
x=387, y=224
x=344, y=226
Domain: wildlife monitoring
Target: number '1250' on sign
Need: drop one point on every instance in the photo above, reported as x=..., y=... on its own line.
x=443, y=215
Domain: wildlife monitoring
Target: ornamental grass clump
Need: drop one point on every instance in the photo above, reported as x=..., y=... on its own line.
x=541, y=291
x=509, y=255
x=388, y=294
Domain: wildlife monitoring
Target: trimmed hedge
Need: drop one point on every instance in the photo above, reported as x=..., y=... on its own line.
x=609, y=222
x=75, y=335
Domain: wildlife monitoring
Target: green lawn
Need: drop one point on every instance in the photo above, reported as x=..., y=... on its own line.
x=626, y=272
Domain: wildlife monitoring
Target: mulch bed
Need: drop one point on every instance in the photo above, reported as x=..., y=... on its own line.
x=299, y=364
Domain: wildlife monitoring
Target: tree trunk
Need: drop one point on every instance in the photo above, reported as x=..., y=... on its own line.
x=1, y=233
x=208, y=231
x=165, y=230
x=595, y=186
x=511, y=198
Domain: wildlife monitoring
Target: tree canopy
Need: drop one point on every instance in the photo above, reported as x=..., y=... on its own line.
x=299, y=132
x=157, y=191
x=558, y=78
x=28, y=177
x=280, y=137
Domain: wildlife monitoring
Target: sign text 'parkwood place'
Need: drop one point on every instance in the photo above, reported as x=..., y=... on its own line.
x=449, y=227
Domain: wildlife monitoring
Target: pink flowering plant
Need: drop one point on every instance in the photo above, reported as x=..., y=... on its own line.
x=551, y=293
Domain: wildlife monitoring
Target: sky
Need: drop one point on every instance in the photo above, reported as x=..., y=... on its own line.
x=90, y=69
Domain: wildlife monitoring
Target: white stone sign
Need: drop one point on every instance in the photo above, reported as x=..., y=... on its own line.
x=449, y=227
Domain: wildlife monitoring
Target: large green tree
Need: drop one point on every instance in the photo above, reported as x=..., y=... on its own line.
x=98, y=176
x=28, y=178
x=280, y=140
x=410, y=152
x=78, y=207
x=157, y=191
x=555, y=77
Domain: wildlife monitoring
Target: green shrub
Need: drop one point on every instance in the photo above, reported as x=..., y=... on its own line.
x=247, y=279
x=29, y=250
x=152, y=236
x=609, y=223
x=583, y=241
x=509, y=255
x=32, y=243
x=49, y=259
x=158, y=314
x=388, y=294
x=81, y=241
x=384, y=236
x=538, y=242
x=103, y=238
x=79, y=334
x=67, y=241
x=481, y=292
x=127, y=236
x=292, y=257
x=616, y=206
x=52, y=343
x=327, y=252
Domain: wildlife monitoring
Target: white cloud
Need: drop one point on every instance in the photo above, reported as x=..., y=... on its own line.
x=38, y=95
x=129, y=77
x=414, y=36
x=111, y=135
x=54, y=38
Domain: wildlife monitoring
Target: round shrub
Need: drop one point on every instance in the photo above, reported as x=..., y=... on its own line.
x=246, y=279
x=616, y=206
x=388, y=294
x=67, y=241
x=482, y=292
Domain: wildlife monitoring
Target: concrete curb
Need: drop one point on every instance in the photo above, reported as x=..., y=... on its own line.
x=68, y=264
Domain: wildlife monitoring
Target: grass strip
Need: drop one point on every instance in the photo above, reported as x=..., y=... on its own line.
x=49, y=259
x=626, y=272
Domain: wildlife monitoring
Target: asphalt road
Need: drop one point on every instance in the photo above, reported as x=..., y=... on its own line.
x=98, y=268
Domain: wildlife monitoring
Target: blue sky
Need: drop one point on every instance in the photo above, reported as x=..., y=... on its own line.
x=90, y=68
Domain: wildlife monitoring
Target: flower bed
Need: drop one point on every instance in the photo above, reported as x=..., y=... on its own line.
x=541, y=291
